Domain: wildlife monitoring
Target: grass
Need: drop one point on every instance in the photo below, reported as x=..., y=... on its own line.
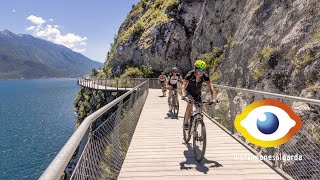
x=258, y=73
x=267, y=52
x=301, y=62
x=260, y=63
x=312, y=86
x=315, y=37
x=155, y=15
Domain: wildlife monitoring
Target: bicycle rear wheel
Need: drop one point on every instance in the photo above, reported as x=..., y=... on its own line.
x=199, y=140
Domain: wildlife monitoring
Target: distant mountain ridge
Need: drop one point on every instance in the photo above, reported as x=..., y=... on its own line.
x=25, y=56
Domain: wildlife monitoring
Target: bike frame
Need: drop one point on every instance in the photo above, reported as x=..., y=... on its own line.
x=197, y=116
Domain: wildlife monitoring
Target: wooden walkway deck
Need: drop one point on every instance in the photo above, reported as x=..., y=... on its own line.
x=90, y=84
x=157, y=150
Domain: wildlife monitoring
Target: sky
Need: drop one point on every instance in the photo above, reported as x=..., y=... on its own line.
x=87, y=27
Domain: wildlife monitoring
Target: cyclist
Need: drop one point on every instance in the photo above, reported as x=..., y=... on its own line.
x=172, y=83
x=192, y=85
x=162, y=78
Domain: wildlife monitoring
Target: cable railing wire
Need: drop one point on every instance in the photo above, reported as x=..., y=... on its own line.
x=306, y=142
x=106, y=143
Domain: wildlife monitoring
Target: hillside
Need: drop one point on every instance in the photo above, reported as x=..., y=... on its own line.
x=265, y=45
x=271, y=46
x=24, y=56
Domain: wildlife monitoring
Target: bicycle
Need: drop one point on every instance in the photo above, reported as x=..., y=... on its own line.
x=174, y=103
x=164, y=91
x=196, y=121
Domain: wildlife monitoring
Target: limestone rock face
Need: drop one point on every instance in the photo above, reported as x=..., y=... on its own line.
x=267, y=45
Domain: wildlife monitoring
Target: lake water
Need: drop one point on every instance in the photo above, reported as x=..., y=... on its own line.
x=36, y=120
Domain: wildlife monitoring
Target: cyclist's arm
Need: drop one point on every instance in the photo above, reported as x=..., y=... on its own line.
x=186, y=83
x=180, y=79
x=211, y=90
x=184, y=87
x=167, y=82
x=210, y=87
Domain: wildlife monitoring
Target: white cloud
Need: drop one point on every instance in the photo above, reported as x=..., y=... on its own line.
x=13, y=10
x=51, y=20
x=30, y=28
x=53, y=34
x=79, y=50
x=36, y=20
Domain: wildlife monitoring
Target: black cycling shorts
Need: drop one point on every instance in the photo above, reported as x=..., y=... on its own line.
x=195, y=97
x=174, y=86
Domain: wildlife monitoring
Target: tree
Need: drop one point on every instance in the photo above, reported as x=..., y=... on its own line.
x=94, y=72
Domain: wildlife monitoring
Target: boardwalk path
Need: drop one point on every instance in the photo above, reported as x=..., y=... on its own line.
x=157, y=150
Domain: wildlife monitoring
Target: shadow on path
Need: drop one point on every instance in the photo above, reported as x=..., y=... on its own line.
x=191, y=163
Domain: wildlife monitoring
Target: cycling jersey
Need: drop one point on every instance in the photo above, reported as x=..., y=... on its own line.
x=162, y=78
x=194, y=88
x=173, y=80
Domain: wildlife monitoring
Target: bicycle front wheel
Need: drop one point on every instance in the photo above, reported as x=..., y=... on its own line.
x=176, y=107
x=187, y=134
x=199, y=140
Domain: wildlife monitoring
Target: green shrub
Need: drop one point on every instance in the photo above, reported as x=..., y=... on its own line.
x=147, y=70
x=267, y=52
x=213, y=59
x=258, y=73
x=301, y=62
x=215, y=76
x=132, y=72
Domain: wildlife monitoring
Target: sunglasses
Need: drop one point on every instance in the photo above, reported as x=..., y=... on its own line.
x=200, y=70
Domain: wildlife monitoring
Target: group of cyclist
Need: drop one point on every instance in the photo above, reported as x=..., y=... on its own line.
x=191, y=86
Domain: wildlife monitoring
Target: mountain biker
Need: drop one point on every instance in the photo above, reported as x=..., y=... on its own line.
x=172, y=83
x=192, y=86
x=162, y=78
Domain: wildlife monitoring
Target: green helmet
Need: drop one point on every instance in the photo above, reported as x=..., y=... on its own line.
x=199, y=64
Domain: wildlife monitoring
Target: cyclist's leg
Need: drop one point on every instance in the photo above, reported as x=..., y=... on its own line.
x=188, y=112
x=162, y=84
x=169, y=97
x=175, y=92
x=170, y=93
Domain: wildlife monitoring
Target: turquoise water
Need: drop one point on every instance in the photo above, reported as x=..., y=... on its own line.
x=36, y=119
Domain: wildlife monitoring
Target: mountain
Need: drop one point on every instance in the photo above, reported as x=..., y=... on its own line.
x=24, y=56
x=265, y=45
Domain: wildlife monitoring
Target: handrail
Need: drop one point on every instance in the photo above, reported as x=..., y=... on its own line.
x=57, y=166
x=287, y=97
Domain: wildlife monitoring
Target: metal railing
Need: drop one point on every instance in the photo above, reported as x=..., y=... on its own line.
x=103, y=139
x=108, y=142
x=305, y=143
x=116, y=83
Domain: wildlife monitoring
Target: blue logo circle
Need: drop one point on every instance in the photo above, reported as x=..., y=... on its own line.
x=270, y=125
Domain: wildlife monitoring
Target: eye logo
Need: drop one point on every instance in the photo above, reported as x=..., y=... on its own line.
x=268, y=123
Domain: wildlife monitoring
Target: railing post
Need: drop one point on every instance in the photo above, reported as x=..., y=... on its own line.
x=232, y=110
x=117, y=84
